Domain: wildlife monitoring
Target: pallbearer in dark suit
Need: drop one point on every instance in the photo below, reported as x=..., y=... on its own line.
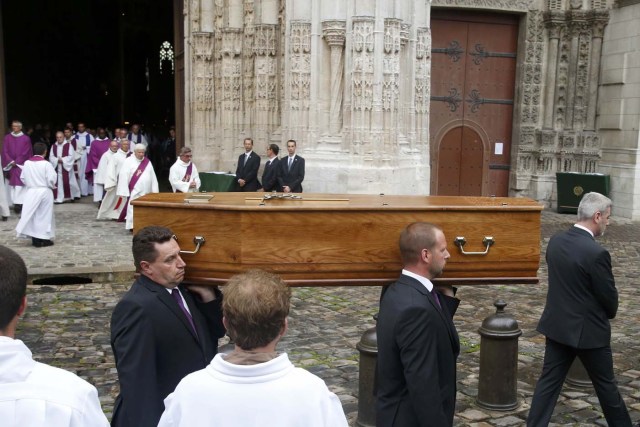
x=247, y=170
x=581, y=298
x=417, y=341
x=160, y=331
x=270, y=173
x=291, y=172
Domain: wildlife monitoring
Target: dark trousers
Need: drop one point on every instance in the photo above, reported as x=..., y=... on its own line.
x=599, y=365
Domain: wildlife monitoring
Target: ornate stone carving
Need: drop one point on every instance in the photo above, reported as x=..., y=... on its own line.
x=514, y=5
x=422, y=70
x=194, y=9
x=202, y=44
x=391, y=64
x=334, y=32
x=248, y=63
x=362, y=49
x=300, y=57
x=534, y=46
x=265, y=42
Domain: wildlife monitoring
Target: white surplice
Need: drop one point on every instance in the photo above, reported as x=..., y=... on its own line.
x=37, y=395
x=100, y=174
x=4, y=196
x=66, y=165
x=277, y=392
x=83, y=142
x=147, y=183
x=176, y=176
x=111, y=204
x=37, y=219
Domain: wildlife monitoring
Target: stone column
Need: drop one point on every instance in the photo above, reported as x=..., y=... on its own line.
x=202, y=98
x=553, y=22
x=334, y=33
x=599, y=21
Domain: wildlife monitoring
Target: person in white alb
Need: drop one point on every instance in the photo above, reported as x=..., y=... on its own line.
x=33, y=394
x=39, y=178
x=83, y=147
x=4, y=198
x=62, y=158
x=112, y=204
x=253, y=385
x=183, y=175
x=136, y=179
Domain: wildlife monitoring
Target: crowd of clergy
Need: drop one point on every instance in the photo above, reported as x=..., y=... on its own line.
x=113, y=168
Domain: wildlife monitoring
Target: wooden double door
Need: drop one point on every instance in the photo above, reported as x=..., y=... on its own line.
x=473, y=67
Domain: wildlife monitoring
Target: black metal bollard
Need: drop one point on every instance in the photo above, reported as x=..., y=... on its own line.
x=578, y=376
x=498, y=383
x=368, y=348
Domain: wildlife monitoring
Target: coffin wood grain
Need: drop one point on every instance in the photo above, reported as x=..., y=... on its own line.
x=349, y=240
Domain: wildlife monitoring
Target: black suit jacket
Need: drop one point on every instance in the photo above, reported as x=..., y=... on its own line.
x=417, y=350
x=248, y=171
x=292, y=178
x=155, y=347
x=270, y=175
x=582, y=294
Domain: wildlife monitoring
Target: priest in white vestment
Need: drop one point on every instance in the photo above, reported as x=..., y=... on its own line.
x=136, y=179
x=112, y=204
x=62, y=158
x=39, y=178
x=254, y=385
x=33, y=394
x=4, y=197
x=183, y=175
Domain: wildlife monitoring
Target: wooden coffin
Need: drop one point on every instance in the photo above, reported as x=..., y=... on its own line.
x=345, y=239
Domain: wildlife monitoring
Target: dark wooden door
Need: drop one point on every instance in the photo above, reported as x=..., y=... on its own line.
x=178, y=31
x=472, y=88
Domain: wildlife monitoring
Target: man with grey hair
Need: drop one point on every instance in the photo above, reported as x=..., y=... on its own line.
x=183, y=175
x=581, y=298
x=136, y=179
x=16, y=149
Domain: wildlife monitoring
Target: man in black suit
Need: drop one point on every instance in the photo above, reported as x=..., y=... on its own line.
x=270, y=173
x=160, y=331
x=417, y=341
x=581, y=298
x=291, y=173
x=247, y=170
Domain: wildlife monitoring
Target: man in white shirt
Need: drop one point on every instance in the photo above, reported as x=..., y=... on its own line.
x=254, y=385
x=31, y=393
x=183, y=175
x=136, y=179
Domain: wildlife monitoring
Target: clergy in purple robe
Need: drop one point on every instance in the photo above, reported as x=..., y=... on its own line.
x=16, y=149
x=99, y=146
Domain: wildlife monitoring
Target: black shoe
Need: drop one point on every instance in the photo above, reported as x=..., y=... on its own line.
x=4, y=218
x=36, y=242
x=46, y=243
x=17, y=209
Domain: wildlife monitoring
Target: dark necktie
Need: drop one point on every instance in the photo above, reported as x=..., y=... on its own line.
x=175, y=293
x=434, y=295
x=290, y=161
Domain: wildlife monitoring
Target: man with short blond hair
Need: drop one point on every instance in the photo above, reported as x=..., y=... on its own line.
x=253, y=385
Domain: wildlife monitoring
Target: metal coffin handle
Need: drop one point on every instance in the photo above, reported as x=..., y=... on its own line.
x=487, y=241
x=199, y=241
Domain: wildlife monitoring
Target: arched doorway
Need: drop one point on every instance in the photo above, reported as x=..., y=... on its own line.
x=472, y=90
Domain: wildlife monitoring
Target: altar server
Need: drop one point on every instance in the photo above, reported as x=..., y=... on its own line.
x=83, y=147
x=39, y=178
x=183, y=175
x=136, y=179
x=31, y=393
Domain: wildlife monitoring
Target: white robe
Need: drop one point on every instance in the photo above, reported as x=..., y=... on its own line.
x=271, y=393
x=4, y=196
x=37, y=395
x=67, y=164
x=147, y=183
x=100, y=174
x=176, y=174
x=81, y=158
x=110, y=208
x=37, y=219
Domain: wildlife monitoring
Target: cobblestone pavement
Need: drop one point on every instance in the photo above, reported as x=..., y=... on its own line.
x=68, y=326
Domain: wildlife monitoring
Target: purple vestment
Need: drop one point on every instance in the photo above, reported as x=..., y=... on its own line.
x=17, y=148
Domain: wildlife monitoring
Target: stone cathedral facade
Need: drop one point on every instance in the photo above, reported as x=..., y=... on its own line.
x=350, y=81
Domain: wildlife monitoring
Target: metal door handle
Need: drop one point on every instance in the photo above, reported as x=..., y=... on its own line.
x=460, y=241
